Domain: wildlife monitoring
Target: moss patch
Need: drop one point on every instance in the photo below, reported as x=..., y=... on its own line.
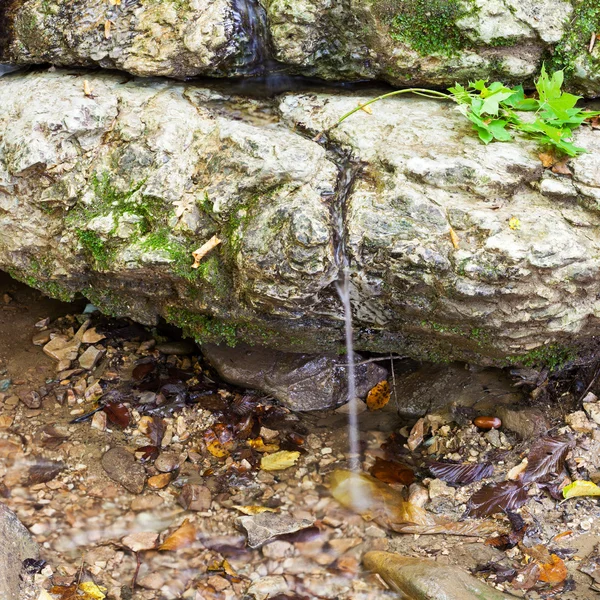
x=552, y=356
x=202, y=327
x=427, y=26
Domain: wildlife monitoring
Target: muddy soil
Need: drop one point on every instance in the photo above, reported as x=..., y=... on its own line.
x=184, y=535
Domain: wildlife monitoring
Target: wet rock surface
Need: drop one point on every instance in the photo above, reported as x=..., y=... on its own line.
x=406, y=43
x=300, y=382
x=17, y=546
x=124, y=194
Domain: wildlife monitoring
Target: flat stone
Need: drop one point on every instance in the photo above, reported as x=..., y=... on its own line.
x=268, y=587
x=17, y=545
x=299, y=381
x=266, y=526
x=181, y=348
x=143, y=540
x=41, y=338
x=120, y=465
x=31, y=399
x=527, y=423
x=167, y=462
x=60, y=348
x=579, y=422
x=91, y=336
x=90, y=358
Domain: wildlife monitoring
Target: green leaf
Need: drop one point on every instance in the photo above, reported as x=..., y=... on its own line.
x=460, y=94
x=498, y=129
x=492, y=103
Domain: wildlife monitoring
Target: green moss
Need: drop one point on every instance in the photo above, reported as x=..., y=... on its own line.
x=552, y=356
x=95, y=246
x=202, y=327
x=427, y=26
x=585, y=22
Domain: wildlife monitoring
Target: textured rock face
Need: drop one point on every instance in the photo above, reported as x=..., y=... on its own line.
x=424, y=42
x=107, y=187
x=16, y=546
x=178, y=38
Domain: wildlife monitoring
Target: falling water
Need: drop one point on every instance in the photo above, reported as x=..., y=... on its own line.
x=343, y=289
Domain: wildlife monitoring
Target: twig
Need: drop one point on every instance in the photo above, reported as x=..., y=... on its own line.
x=372, y=360
x=394, y=384
x=138, y=561
x=592, y=43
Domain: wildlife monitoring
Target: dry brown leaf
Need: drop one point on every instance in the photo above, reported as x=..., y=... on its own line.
x=366, y=108
x=548, y=159
x=259, y=445
x=379, y=395
x=279, y=460
x=415, y=439
x=554, y=571
x=561, y=167
x=204, y=250
x=454, y=239
x=390, y=471
x=251, y=510
x=87, y=88
x=184, y=536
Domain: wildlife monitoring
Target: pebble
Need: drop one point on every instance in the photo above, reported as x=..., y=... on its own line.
x=579, y=422
x=167, y=462
x=99, y=421
x=195, y=497
x=278, y=549
x=90, y=358
x=267, y=587
x=41, y=338
x=91, y=336
x=120, y=465
x=159, y=482
x=152, y=581
x=141, y=503
x=60, y=348
x=592, y=409
x=31, y=399
x=180, y=348
x=440, y=489
x=142, y=540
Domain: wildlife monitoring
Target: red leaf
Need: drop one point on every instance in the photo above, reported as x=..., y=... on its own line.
x=140, y=371
x=391, y=471
x=460, y=472
x=156, y=430
x=118, y=414
x=547, y=457
x=497, y=497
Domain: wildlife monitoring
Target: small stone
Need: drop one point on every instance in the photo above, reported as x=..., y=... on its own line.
x=342, y=545
x=91, y=336
x=167, y=462
x=121, y=467
x=493, y=437
x=90, y=358
x=93, y=392
x=268, y=435
x=152, y=581
x=218, y=583
x=195, y=497
x=578, y=421
x=278, y=549
x=12, y=401
x=375, y=532
x=99, y=421
x=158, y=482
x=60, y=348
x=31, y=400
x=268, y=587
x=265, y=526
x=142, y=540
x=592, y=409
x=527, y=423
x=180, y=348
x=43, y=323
x=439, y=488
x=61, y=367
x=41, y=338
x=6, y=421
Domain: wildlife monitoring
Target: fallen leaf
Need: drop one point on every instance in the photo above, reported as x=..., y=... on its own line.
x=204, y=250
x=548, y=159
x=107, y=25
x=253, y=510
x=279, y=460
x=497, y=497
x=561, y=168
x=143, y=369
x=118, y=414
x=454, y=239
x=266, y=526
x=514, y=223
x=184, y=536
x=415, y=439
x=366, y=108
x=87, y=88
x=460, y=472
x=379, y=395
x=546, y=457
x=390, y=471
x=91, y=591
x=581, y=488
x=553, y=572
x=259, y=445
x=516, y=472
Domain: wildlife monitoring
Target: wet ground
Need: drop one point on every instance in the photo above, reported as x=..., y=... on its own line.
x=191, y=480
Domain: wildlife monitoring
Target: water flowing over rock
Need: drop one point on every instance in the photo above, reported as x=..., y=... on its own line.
x=405, y=42
x=108, y=185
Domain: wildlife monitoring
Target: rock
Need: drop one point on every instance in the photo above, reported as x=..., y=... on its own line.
x=142, y=540
x=195, y=497
x=31, y=399
x=99, y=421
x=440, y=489
x=266, y=526
x=527, y=423
x=578, y=421
x=89, y=359
x=41, y=338
x=503, y=296
x=300, y=382
x=120, y=465
x=180, y=348
x=91, y=336
x=426, y=580
x=17, y=545
x=592, y=410
x=62, y=349
x=405, y=43
x=160, y=481
x=268, y=587
x=167, y=462
x=141, y=503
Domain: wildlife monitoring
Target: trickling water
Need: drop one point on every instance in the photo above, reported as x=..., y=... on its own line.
x=253, y=34
x=343, y=286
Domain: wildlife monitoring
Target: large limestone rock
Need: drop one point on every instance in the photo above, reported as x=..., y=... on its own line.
x=107, y=186
x=423, y=42
x=17, y=545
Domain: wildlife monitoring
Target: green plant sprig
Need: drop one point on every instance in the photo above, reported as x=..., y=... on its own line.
x=495, y=110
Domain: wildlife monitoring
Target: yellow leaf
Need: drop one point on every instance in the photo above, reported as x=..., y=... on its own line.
x=514, y=223
x=581, y=488
x=454, y=239
x=279, y=460
x=217, y=449
x=107, y=25
x=259, y=445
x=92, y=591
x=379, y=396
x=367, y=108
x=182, y=537
x=253, y=510
x=87, y=88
